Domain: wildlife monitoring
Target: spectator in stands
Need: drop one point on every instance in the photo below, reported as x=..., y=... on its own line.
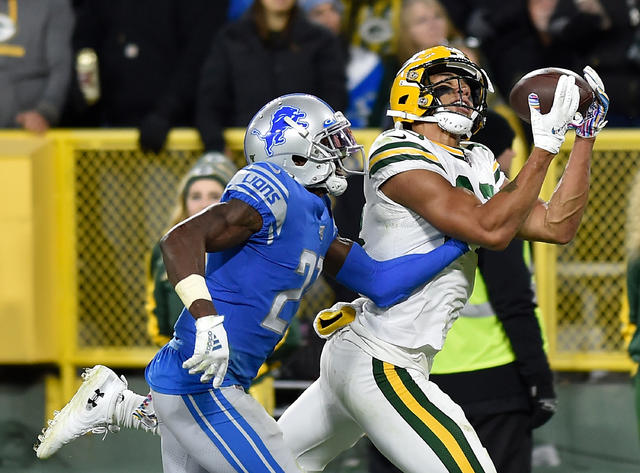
x=507, y=35
x=423, y=24
x=364, y=68
x=606, y=33
x=372, y=24
x=272, y=50
x=149, y=54
x=540, y=12
x=35, y=62
x=633, y=282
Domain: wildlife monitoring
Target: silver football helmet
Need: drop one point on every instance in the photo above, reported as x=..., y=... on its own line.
x=306, y=137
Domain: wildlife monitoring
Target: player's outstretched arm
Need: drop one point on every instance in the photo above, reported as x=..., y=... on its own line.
x=558, y=220
x=218, y=227
x=387, y=282
x=459, y=213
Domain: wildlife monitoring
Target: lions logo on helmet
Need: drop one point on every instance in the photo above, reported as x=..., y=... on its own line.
x=414, y=97
x=307, y=138
x=279, y=123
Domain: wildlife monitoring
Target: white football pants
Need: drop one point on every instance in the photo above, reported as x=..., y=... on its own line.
x=406, y=416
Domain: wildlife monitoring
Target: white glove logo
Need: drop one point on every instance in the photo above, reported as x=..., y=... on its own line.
x=213, y=343
x=211, y=350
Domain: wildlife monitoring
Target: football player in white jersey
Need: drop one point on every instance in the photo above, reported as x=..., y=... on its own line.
x=425, y=182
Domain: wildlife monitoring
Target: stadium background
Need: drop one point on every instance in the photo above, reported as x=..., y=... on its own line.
x=81, y=209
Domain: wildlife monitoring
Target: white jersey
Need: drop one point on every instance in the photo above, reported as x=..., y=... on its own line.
x=418, y=325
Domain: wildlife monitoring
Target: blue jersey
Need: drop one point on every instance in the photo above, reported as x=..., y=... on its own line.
x=257, y=286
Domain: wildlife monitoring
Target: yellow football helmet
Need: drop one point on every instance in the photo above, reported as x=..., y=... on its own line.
x=415, y=98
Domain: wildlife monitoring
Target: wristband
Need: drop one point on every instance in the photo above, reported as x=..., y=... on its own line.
x=209, y=322
x=192, y=288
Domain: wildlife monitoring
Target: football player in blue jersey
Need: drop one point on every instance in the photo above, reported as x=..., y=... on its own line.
x=240, y=267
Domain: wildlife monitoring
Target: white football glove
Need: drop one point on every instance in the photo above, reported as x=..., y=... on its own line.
x=594, y=121
x=211, y=351
x=549, y=129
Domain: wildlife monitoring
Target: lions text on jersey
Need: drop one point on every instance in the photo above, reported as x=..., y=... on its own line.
x=257, y=286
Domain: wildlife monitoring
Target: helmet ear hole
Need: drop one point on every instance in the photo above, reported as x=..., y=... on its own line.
x=299, y=160
x=403, y=100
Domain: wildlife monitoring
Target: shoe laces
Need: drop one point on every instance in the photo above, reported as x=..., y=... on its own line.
x=104, y=429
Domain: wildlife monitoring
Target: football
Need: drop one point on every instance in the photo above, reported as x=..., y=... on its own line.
x=543, y=82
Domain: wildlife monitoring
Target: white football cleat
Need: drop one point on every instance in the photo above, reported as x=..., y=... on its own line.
x=90, y=410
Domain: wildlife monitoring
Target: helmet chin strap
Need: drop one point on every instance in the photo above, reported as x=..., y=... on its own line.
x=335, y=185
x=454, y=123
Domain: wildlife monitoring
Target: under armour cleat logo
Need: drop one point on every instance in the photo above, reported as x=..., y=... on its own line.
x=91, y=402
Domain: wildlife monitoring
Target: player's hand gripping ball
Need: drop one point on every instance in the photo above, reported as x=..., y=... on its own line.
x=542, y=82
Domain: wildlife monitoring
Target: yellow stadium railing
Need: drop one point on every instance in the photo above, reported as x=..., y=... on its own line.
x=581, y=285
x=81, y=208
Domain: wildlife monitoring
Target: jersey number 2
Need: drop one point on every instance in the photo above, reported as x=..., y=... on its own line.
x=309, y=263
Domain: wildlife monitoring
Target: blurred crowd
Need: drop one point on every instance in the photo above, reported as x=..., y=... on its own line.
x=158, y=64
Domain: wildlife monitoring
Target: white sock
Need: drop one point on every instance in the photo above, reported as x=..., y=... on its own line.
x=135, y=411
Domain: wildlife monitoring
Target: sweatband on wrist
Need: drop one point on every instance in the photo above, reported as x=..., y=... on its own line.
x=388, y=282
x=192, y=288
x=209, y=321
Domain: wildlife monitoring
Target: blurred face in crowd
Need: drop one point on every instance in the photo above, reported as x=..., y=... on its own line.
x=278, y=6
x=325, y=14
x=540, y=12
x=202, y=193
x=426, y=24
